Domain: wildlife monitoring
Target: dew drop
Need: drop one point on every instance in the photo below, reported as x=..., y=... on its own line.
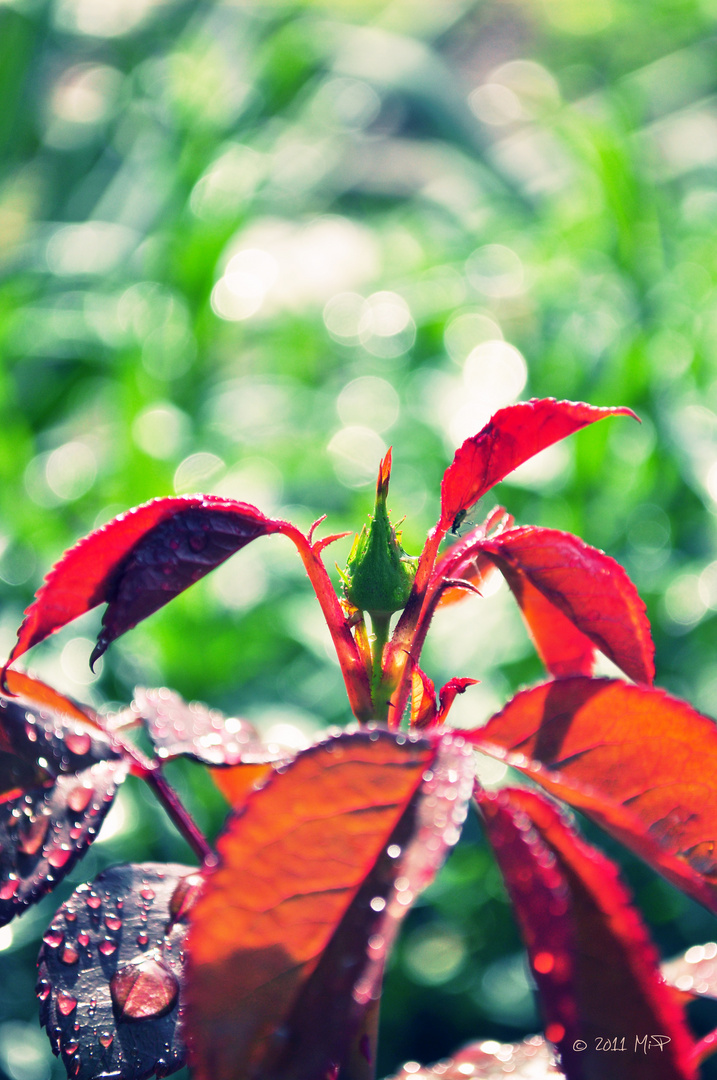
x=185, y=896
x=83, y=939
x=142, y=939
x=70, y=915
x=71, y=1047
x=78, y=742
x=113, y=922
x=143, y=991
x=32, y=834
x=43, y=989
x=93, y=901
x=79, y=798
x=54, y=937
x=9, y=888
x=59, y=856
x=69, y=955
x=147, y=892
x=65, y=1002
x=107, y=946
x=106, y=1039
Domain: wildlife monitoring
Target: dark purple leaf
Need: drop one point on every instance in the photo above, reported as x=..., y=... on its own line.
x=138, y=562
x=194, y=730
x=110, y=969
x=67, y=773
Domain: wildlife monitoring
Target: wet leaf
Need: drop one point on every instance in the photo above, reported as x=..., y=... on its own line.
x=110, y=969
x=532, y=1059
x=574, y=597
x=59, y=778
x=177, y=727
x=511, y=436
x=638, y=762
x=288, y=941
x=595, y=967
x=695, y=972
x=139, y=562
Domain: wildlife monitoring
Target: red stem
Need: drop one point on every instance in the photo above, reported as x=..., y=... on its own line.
x=150, y=770
x=358, y=686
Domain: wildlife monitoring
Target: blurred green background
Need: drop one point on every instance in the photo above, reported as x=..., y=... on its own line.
x=244, y=248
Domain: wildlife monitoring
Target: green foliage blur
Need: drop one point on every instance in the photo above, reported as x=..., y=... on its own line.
x=245, y=246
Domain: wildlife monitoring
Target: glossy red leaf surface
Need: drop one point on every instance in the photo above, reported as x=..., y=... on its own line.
x=110, y=971
x=638, y=762
x=59, y=776
x=511, y=436
x=533, y=1059
x=138, y=562
x=594, y=965
x=288, y=940
x=556, y=577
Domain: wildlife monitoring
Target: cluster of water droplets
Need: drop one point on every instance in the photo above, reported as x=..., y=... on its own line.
x=440, y=810
x=111, y=963
x=179, y=727
x=70, y=778
x=490, y=1060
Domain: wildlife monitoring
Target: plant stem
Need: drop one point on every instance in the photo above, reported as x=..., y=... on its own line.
x=380, y=693
x=150, y=770
x=180, y=816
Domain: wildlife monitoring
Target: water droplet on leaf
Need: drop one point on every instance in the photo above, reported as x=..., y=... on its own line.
x=79, y=798
x=143, y=991
x=65, y=1002
x=107, y=946
x=54, y=937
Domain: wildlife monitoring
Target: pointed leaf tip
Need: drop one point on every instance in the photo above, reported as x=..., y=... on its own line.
x=138, y=562
x=511, y=436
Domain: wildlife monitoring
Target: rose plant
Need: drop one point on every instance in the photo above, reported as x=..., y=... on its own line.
x=265, y=960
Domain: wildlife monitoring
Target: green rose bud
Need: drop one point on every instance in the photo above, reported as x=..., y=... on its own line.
x=379, y=574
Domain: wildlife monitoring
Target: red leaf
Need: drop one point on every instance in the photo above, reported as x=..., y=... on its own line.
x=578, y=583
x=533, y=1059
x=138, y=562
x=511, y=436
x=596, y=969
x=639, y=763
x=287, y=942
